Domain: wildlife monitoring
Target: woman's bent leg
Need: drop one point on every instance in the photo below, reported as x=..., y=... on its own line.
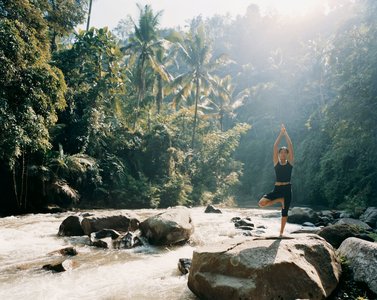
x=267, y=202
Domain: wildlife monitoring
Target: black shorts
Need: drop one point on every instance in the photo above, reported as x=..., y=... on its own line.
x=281, y=191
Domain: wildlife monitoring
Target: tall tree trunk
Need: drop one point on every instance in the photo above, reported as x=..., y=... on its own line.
x=196, y=112
x=15, y=185
x=22, y=179
x=53, y=45
x=159, y=93
x=141, y=91
x=89, y=13
x=221, y=119
x=26, y=184
x=53, y=35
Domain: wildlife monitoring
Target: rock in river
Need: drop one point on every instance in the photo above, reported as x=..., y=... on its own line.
x=123, y=223
x=300, y=215
x=303, y=267
x=71, y=226
x=336, y=234
x=362, y=258
x=169, y=227
x=370, y=217
x=354, y=222
x=211, y=209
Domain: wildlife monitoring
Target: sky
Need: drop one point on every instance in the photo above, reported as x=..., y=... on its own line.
x=177, y=12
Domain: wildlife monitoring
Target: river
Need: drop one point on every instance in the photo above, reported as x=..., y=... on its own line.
x=147, y=272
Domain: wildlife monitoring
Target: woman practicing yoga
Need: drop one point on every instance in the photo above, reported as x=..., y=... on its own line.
x=283, y=164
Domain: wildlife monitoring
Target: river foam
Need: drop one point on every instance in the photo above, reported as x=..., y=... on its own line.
x=28, y=242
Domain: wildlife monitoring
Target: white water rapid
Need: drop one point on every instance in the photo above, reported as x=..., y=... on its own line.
x=147, y=272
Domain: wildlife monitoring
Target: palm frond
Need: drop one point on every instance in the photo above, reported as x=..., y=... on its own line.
x=61, y=186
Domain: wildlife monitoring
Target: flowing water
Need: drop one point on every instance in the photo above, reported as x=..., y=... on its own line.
x=147, y=272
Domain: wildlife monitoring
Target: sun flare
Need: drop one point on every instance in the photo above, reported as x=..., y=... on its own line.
x=292, y=7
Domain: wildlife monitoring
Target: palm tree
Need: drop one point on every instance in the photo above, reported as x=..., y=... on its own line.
x=196, y=52
x=144, y=45
x=223, y=99
x=61, y=169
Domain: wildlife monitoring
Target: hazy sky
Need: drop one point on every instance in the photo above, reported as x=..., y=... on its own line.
x=176, y=12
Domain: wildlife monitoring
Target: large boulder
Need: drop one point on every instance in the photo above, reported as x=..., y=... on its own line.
x=169, y=227
x=122, y=223
x=370, y=217
x=354, y=222
x=336, y=234
x=304, y=267
x=71, y=226
x=79, y=225
x=362, y=258
x=300, y=215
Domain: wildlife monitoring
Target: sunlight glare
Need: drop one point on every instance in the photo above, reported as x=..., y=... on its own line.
x=292, y=7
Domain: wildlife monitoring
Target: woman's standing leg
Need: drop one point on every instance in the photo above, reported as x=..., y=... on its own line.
x=284, y=212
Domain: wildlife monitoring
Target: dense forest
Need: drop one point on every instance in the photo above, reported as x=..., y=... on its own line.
x=144, y=116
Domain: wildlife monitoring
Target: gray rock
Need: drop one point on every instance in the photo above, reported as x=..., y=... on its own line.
x=170, y=227
x=362, y=258
x=243, y=222
x=325, y=221
x=99, y=244
x=235, y=219
x=104, y=233
x=336, y=234
x=354, y=222
x=122, y=223
x=68, y=251
x=128, y=241
x=54, y=267
x=300, y=215
x=253, y=268
x=211, y=209
x=71, y=226
x=345, y=214
x=184, y=265
x=327, y=213
x=370, y=217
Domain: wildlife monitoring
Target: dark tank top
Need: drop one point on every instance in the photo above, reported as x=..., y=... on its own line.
x=283, y=172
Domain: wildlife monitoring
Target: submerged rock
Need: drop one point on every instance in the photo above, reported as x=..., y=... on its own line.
x=68, y=251
x=57, y=267
x=211, y=209
x=184, y=265
x=362, y=258
x=303, y=267
x=99, y=244
x=169, y=227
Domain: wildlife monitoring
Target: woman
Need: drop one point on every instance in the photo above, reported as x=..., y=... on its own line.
x=283, y=164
